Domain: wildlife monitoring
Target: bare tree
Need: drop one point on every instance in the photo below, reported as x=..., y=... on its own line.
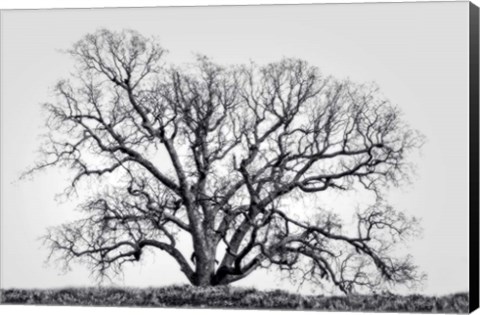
x=220, y=154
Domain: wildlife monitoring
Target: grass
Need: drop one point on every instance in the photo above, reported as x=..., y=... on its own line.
x=233, y=297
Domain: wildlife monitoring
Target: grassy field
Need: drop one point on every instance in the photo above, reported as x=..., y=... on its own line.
x=232, y=297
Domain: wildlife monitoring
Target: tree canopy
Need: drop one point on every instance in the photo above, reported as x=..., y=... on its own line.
x=220, y=154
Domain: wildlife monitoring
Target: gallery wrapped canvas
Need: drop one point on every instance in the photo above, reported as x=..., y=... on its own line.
x=314, y=156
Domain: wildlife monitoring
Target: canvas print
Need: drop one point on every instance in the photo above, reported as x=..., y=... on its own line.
x=281, y=157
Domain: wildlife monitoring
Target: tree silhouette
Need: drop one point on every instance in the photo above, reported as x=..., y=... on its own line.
x=221, y=154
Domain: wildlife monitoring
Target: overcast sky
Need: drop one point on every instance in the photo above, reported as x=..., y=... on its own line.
x=416, y=52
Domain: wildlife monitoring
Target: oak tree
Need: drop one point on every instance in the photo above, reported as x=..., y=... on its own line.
x=219, y=156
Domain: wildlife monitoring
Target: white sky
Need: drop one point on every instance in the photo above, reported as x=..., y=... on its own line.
x=416, y=52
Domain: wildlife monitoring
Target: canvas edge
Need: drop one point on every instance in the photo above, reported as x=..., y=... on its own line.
x=474, y=156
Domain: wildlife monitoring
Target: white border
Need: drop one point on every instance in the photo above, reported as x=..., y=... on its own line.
x=45, y=4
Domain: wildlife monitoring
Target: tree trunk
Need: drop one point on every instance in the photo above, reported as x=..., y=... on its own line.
x=204, y=259
x=205, y=269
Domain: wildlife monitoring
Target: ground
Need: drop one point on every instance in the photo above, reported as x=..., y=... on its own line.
x=233, y=297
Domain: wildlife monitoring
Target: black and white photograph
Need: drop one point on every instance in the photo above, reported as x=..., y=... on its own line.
x=284, y=157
